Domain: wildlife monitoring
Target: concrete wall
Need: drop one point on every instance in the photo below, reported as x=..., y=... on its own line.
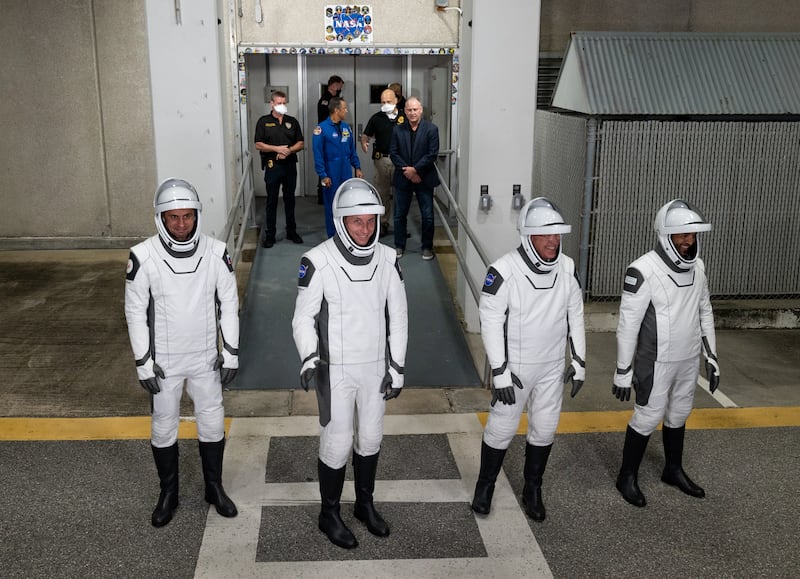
x=397, y=23
x=560, y=17
x=77, y=142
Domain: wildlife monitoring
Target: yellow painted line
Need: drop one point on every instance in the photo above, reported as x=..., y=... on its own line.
x=700, y=419
x=117, y=428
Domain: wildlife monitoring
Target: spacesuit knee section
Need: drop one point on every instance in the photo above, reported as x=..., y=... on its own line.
x=334, y=446
x=645, y=419
x=163, y=430
x=542, y=431
x=211, y=424
x=500, y=429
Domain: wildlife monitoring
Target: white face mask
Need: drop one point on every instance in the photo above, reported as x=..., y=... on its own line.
x=280, y=109
x=387, y=108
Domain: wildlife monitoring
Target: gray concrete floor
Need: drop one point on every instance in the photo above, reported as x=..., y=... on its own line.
x=81, y=508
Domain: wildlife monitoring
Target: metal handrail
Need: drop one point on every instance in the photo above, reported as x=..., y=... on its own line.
x=462, y=220
x=234, y=212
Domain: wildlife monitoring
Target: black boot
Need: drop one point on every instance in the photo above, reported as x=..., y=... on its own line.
x=535, y=463
x=673, y=470
x=627, y=480
x=364, y=468
x=491, y=463
x=211, y=454
x=167, y=466
x=331, y=483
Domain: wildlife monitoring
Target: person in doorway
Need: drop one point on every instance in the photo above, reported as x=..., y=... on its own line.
x=413, y=151
x=530, y=307
x=335, y=156
x=381, y=126
x=332, y=89
x=397, y=89
x=350, y=326
x=665, y=321
x=279, y=138
x=180, y=295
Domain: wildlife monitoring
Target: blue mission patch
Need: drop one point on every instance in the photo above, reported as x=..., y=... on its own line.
x=303, y=270
x=489, y=279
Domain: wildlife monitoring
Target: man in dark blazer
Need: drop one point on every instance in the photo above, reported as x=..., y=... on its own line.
x=415, y=146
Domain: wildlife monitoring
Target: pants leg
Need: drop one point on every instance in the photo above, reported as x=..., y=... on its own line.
x=328, y=193
x=402, y=200
x=205, y=390
x=425, y=201
x=544, y=408
x=166, y=410
x=272, y=180
x=384, y=169
x=289, y=186
x=370, y=408
x=336, y=438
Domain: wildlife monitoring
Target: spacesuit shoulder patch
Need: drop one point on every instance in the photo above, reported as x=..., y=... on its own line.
x=306, y=272
x=133, y=267
x=633, y=280
x=227, y=260
x=492, y=282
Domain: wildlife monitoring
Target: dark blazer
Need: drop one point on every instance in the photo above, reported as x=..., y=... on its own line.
x=422, y=158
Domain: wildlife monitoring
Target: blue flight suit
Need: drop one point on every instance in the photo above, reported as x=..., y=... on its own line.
x=335, y=157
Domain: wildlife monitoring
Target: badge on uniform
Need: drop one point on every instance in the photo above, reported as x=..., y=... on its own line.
x=317, y=130
x=270, y=163
x=288, y=125
x=400, y=120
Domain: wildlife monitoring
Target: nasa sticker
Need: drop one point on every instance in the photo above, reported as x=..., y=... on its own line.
x=317, y=130
x=489, y=280
x=303, y=270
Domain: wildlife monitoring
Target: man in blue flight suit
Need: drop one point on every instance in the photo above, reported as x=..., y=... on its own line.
x=335, y=156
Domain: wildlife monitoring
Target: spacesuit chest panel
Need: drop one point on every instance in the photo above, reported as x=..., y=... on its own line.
x=539, y=328
x=356, y=298
x=675, y=298
x=183, y=292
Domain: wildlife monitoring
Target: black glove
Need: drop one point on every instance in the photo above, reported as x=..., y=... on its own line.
x=506, y=395
x=226, y=375
x=386, y=387
x=576, y=384
x=623, y=384
x=309, y=375
x=151, y=384
x=712, y=373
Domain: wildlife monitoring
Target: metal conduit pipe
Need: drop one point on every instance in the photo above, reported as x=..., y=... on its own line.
x=586, y=213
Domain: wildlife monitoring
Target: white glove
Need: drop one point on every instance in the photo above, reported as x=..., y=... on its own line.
x=712, y=373
x=577, y=374
x=622, y=384
x=503, y=388
x=392, y=384
x=147, y=373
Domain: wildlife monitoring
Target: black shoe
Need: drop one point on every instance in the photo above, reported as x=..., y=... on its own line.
x=167, y=465
x=267, y=241
x=628, y=487
x=678, y=478
x=364, y=469
x=293, y=236
x=211, y=455
x=491, y=463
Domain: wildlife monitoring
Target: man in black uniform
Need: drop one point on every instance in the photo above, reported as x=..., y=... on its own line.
x=279, y=138
x=334, y=89
x=381, y=125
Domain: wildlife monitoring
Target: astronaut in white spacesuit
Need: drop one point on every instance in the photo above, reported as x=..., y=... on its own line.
x=180, y=291
x=665, y=320
x=530, y=307
x=351, y=327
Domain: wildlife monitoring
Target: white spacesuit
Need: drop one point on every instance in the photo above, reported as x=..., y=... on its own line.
x=351, y=328
x=179, y=293
x=530, y=307
x=665, y=321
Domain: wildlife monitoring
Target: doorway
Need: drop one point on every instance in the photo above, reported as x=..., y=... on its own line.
x=303, y=77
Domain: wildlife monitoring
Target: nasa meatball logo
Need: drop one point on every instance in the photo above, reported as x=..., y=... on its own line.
x=129, y=268
x=303, y=270
x=489, y=280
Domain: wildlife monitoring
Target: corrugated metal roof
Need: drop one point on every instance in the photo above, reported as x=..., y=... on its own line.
x=637, y=73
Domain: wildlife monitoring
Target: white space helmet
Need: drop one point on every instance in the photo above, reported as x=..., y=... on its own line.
x=679, y=216
x=540, y=216
x=177, y=194
x=357, y=197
